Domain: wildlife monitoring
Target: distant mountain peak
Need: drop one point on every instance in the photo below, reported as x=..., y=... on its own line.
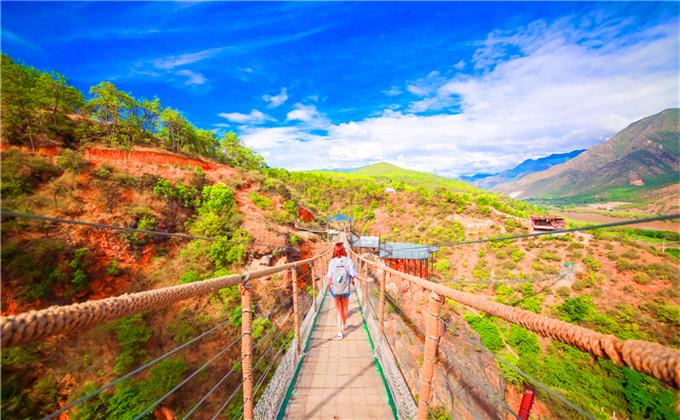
x=646, y=154
x=486, y=181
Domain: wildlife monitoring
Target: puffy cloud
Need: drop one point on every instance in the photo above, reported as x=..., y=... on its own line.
x=255, y=117
x=307, y=114
x=193, y=78
x=277, y=100
x=541, y=89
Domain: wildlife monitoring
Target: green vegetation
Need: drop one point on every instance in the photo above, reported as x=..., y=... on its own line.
x=132, y=334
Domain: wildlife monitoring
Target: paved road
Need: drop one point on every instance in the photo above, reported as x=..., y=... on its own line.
x=350, y=388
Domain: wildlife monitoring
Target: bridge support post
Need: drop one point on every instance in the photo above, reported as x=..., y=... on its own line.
x=296, y=311
x=247, y=348
x=311, y=268
x=381, y=309
x=429, y=359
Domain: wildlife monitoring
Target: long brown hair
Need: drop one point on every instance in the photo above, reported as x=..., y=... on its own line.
x=339, y=250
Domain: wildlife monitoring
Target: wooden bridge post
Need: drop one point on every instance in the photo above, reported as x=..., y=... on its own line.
x=296, y=311
x=311, y=268
x=429, y=358
x=366, y=290
x=247, y=348
x=381, y=310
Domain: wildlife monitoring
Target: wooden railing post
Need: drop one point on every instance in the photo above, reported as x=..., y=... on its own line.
x=247, y=347
x=311, y=268
x=381, y=309
x=430, y=354
x=366, y=291
x=296, y=311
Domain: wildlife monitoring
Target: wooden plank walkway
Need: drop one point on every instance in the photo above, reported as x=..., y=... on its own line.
x=350, y=389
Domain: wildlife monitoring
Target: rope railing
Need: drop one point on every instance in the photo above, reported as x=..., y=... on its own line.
x=36, y=325
x=555, y=232
x=650, y=358
x=145, y=366
x=516, y=369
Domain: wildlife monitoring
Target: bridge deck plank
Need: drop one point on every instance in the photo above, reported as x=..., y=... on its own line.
x=338, y=378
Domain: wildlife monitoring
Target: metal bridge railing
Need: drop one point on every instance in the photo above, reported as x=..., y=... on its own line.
x=397, y=330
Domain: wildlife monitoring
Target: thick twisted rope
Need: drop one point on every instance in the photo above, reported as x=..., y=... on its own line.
x=36, y=325
x=649, y=358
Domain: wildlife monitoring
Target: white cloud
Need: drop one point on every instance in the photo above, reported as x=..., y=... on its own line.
x=394, y=90
x=307, y=114
x=12, y=37
x=459, y=65
x=180, y=60
x=193, y=78
x=541, y=89
x=277, y=100
x=255, y=117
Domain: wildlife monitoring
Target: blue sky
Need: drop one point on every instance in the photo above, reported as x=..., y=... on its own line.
x=461, y=86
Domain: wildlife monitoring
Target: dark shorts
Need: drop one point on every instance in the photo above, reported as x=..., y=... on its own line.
x=345, y=296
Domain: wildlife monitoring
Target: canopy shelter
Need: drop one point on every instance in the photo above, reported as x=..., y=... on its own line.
x=340, y=218
x=344, y=222
x=371, y=242
x=409, y=258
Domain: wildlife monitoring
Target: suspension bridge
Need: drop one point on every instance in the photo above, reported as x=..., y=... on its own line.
x=392, y=362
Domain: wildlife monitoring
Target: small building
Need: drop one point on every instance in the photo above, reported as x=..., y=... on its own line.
x=547, y=223
x=390, y=190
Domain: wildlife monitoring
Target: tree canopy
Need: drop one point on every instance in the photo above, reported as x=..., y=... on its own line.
x=39, y=105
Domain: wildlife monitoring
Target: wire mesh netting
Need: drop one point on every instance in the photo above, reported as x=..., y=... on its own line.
x=403, y=398
x=272, y=398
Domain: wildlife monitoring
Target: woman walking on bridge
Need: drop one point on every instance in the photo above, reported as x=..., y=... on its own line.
x=340, y=272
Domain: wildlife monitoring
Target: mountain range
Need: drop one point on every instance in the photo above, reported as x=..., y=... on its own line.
x=643, y=156
x=529, y=166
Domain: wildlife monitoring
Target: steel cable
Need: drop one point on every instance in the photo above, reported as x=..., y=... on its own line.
x=516, y=369
x=150, y=232
x=266, y=371
x=554, y=232
x=227, y=402
x=188, y=378
x=482, y=384
x=151, y=363
x=442, y=402
x=213, y=389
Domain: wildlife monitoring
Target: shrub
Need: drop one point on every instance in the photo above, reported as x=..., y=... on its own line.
x=563, y=292
x=132, y=334
x=501, y=254
x=481, y=270
x=642, y=278
x=488, y=331
x=295, y=240
x=112, y=268
x=592, y=264
x=443, y=266
x=73, y=161
x=517, y=256
x=261, y=201
x=631, y=254
x=533, y=304
x=668, y=313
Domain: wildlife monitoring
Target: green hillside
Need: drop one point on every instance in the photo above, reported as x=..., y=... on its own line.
x=393, y=174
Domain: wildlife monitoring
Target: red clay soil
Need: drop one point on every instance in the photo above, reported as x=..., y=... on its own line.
x=43, y=150
x=161, y=163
